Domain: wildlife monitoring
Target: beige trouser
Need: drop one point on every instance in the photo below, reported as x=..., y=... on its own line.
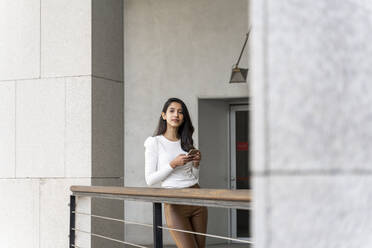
x=190, y=218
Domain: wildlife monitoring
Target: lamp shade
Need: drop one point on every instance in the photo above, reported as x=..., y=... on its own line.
x=239, y=75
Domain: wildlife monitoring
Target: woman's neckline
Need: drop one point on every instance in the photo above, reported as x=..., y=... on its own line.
x=169, y=139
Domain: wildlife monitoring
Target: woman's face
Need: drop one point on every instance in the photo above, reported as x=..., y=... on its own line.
x=174, y=115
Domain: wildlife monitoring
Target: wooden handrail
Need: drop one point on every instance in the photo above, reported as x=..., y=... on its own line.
x=206, y=194
x=209, y=197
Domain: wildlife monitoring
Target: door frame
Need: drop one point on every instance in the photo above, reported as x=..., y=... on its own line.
x=232, y=165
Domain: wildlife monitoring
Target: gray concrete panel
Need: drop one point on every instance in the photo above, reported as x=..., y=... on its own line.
x=320, y=211
x=107, y=39
x=319, y=90
x=107, y=128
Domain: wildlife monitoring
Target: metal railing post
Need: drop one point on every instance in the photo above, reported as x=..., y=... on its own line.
x=157, y=221
x=72, y=221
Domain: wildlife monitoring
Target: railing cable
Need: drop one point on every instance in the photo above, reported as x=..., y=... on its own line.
x=108, y=238
x=108, y=218
x=166, y=228
x=208, y=235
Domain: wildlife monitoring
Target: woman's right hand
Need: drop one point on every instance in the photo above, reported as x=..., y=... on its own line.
x=180, y=160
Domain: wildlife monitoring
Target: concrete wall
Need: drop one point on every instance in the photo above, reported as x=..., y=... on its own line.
x=45, y=142
x=172, y=48
x=50, y=101
x=107, y=116
x=312, y=123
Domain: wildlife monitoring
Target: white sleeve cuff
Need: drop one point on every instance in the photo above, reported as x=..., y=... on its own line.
x=195, y=171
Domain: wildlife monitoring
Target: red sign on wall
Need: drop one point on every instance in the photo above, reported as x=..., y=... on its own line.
x=242, y=146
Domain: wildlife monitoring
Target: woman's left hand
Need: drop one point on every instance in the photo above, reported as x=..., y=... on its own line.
x=196, y=159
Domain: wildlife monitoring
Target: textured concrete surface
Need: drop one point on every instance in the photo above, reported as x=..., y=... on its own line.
x=257, y=77
x=45, y=123
x=107, y=112
x=319, y=87
x=19, y=213
x=78, y=145
x=107, y=128
x=311, y=122
x=54, y=212
x=320, y=211
x=261, y=208
x=107, y=39
x=54, y=139
x=19, y=39
x=40, y=128
x=37, y=210
x=66, y=38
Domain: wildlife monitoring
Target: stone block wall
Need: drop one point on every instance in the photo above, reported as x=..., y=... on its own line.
x=50, y=115
x=45, y=137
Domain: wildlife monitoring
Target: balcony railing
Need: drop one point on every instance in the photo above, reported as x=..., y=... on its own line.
x=221, y=198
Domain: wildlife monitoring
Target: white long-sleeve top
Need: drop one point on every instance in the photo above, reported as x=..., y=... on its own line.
x=159, y=152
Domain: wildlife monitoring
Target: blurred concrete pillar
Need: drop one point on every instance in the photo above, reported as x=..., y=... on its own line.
x=312, y=139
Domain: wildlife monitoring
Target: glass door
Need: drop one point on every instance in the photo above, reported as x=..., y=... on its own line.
x=239, y=167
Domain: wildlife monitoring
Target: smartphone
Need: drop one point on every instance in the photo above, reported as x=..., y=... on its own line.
x=192, y=152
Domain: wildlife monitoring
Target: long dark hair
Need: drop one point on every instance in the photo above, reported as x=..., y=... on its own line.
x=186, y=129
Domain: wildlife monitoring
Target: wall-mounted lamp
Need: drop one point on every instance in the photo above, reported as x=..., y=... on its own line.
x=239, y=75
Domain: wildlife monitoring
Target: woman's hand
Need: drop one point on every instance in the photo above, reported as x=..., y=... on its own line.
x=196, y=159
x=180, y=160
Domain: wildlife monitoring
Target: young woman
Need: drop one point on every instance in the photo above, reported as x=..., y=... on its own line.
x=166, y=161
